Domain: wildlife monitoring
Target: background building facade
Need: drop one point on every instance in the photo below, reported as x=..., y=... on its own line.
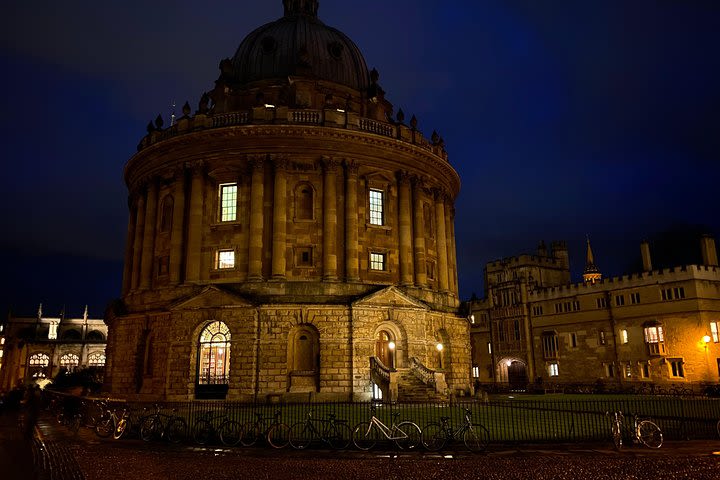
x=292, y=236
x=654, y=326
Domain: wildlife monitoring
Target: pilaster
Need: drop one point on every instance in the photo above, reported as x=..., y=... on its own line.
x=195, y=220
x=441, y=240
x=257, y=193
x=148, y=248
x=279, y=262
x=330, y=166
x=419, y=233
x=405, y=222
x=178, y=224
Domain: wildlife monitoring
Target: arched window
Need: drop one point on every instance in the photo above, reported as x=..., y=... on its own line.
x=385, y=348
x=95, y=336
x=166, y=215
x=214, y=354
x=71, y=334
x=69, y=361
x=304, y=202
x=96, y=360
x=38, y=364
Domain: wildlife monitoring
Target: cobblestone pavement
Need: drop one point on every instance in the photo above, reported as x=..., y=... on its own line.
x=86, y=456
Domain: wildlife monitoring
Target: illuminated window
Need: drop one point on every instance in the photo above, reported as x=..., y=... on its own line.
x=39, y=360
x=675, y=293
x=69, y=361
x=623, y=336
x=553, y=370
x=2, y=341
x=52, y=331
x=228, y=202
x=676, y=368
x=376, y=207
x=490, y=348
x=96, y=360
x=225, y=259
x=655, y=339
x=377, y=261
x=1, y=353
x=214, y=354
x=714, y=331
x=550, y=344
x=601, y=337
x=628, y=370
x=476, y=372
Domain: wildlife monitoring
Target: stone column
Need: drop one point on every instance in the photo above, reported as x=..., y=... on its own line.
x=137, y=243
x=148, y=249
x=178, y=225
x=452, y=261
x=329, y=219
x=419, y=232
x=441, y=240
x=352, y=266
x=127, y=270
x=279, y=247
x=405, y=222
x=193, y=255
x=257, y=192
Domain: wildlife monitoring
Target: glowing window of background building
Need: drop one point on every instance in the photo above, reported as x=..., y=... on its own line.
x=214, y=354
x=96, y=360
x=228, y=202
x=69, y=360
x=553, y=369
x=623, y=336
x=714, y=332
x=376, y=207
x=654, y=334
x=52, y=331
x=226, y=259
x=377, y=261
x=39, y=360
x=476, y=372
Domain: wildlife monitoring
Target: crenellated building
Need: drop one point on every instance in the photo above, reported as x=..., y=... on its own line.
x=293, y=235
x=652, y=326
x=39, y=347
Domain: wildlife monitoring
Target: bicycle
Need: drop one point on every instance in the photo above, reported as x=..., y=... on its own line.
x=109, y=424
x=474, y=435
x=406, y=435
x=718, y=428
x=160, y=425
x=213, y=424
x=276, y=433
x=335, y=433
x=643, y=431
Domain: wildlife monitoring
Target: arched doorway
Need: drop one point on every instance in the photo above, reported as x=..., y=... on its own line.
x=385, y=348
x=213, y=355
x=513, y=371
x=303, y=359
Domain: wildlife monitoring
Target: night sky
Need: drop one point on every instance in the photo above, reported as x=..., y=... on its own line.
x=563, y=119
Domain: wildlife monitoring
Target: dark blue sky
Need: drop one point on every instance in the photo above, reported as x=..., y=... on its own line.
x=563, y=119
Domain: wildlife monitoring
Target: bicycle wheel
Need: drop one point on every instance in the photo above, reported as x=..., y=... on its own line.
x=718, y=428
x=120, y=429
x=176, y=430
x=433, y=437
x=649, y=434
x=339, y=436
x=301, y=435
x=279, y=435
x=230, y=433
x=202, y=430
x=149, y=428
x=104, y=428
x=617, y=436
x=75, y=423
x=476, y=438
x=365, y=435
x=249, y=434
x=410, y=433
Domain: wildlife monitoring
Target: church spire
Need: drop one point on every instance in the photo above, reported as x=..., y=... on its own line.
x=300, y=7
x=591, y=274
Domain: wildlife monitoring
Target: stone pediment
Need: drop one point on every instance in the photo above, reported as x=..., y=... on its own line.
x=212, y=297
x=389, y=297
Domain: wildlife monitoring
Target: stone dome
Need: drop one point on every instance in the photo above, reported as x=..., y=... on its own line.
x=299, y=44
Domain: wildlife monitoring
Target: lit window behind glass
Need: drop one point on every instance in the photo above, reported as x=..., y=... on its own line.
x=226, y=259
x=377, y=261
x=376, y=207
x=228, y=202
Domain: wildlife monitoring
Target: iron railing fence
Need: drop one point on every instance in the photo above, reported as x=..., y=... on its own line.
x=509, y=421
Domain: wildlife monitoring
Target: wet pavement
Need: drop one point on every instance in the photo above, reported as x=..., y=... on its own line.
x=61, y=455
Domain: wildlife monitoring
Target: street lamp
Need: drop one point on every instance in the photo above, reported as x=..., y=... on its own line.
x=439, y=347
x=706, y=340
x=391, y=345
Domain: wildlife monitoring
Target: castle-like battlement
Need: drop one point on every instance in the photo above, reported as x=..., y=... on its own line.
x=667, y=275
x=520, y=259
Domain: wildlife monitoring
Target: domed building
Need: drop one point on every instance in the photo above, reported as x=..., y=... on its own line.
x=291, y=238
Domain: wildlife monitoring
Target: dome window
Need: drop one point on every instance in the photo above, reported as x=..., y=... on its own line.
x=335, y=49
x=269, y=45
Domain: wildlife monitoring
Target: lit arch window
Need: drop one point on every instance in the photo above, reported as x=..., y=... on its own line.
x=69, y=361
x=39, y=360
x=96, y=360
x=214, y=354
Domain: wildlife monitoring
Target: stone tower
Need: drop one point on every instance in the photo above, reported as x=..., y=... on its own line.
x=591, y=274
x=292, y=235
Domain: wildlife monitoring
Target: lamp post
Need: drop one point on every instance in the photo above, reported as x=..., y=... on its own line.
x=440, y=348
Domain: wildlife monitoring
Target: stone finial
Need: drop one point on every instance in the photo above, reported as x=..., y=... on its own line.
x=204, y=101
x=301, y=7
x=413, y=122
x=186, y=109
x=400, y=116
x=159, y=122
x=374, y=75
x=435, y=138
x=150, y=127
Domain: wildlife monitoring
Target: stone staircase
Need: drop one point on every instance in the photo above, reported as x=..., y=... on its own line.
x=412, y=389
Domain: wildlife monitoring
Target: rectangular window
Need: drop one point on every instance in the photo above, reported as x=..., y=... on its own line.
x=163, y=265
x=714, y=332
x=550, y=345
x=537, y=311
x=576, y=306
x=655, y=340
x=718, y=362
x=619, y=300
x=558, y=308
x=431, y=270
x=628, y=370
x=225, y=259
x=303, y=257
x=623, y=336
x=666, y=293
x=228, y=202
x=376, y=207
x=490, y=348
x=377, y=261
x=553, y=370
x=645, y=370
x=679, y=292
x=601, y=337
x=517, y=329
x=476, y=372
x=601, y=302
x=635, y=298
x=610, y=370
x=52, y=332
x=573, y=340
x=676, y=368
